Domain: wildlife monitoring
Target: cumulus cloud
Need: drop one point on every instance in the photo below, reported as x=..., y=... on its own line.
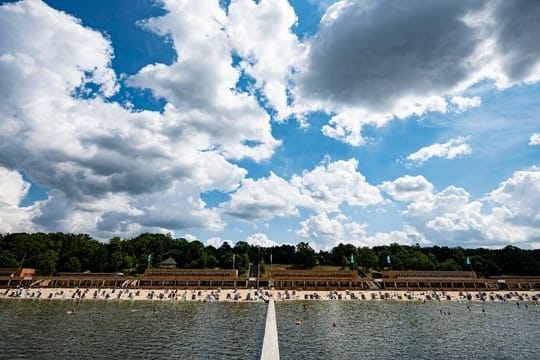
x=450, y=217
x=324, y=232
x=509, y=214
x=534, y=139
x=465, y=103
x=199, y=85
x=260, y=239
x=13, y=189
x=111, y=170
x=371, y=62
x=263, y=199
x=407, y=236
x=448, y=150
x=408, y=188
x=38, y=45
x=325, y=188
x=217, y=242
x=520, y=197
x=257, y=239
x=329, y=185
x=261, y=34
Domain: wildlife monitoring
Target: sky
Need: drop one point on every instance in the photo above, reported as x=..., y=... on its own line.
x=367, y=122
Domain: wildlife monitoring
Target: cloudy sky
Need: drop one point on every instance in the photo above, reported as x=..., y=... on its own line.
x=273, y=121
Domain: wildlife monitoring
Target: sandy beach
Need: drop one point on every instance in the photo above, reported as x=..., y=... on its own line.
x=171, y=295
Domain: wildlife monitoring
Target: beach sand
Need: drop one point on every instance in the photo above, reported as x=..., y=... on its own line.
x=177, y=295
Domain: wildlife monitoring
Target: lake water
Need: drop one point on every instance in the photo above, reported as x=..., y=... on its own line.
x=193, y=330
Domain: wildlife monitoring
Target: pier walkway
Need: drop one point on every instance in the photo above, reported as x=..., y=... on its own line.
x=270, y=348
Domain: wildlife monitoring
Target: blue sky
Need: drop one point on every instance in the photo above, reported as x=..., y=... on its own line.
x=273, y=121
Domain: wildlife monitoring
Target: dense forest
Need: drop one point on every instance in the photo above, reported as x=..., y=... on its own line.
x=59, y=252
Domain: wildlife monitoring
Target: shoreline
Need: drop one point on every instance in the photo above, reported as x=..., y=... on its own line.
x=261, y=295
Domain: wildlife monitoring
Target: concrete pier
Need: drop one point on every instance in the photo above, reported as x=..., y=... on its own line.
x=270, y=348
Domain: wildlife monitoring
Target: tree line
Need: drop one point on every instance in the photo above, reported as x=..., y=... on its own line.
x=51, y=253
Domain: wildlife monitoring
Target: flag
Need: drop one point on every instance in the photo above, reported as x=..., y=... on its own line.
x=388, y=259
x=149, y=259
x=468, y=261
x=352, y=259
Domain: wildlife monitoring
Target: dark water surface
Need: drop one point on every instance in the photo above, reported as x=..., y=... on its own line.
x=41, y=329
x=130, y=330
x=408, y=330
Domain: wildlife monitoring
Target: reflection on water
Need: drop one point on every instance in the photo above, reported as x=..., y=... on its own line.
x=193, y=330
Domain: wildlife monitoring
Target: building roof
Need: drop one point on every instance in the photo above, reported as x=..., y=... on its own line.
x=168, y=261
x=195, y=274
x=428, y=274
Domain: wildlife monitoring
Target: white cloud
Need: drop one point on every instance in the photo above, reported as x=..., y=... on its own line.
x=38, y=46
x=257, y=239
x=507, y=215
x=323, y=189
x=191, y=237
x=329, y=185
x=407, y=236
x=200, y=85
x=520, y=197
x=13, y=190
x=347, y=124
x=464, y=103
x=534, y=139
x=408, y=188
x=260, y=33
x=324, y=232
x=448, y=150
x=217, y=242
x=260, y=239
x=111, y=170
x=263, y=199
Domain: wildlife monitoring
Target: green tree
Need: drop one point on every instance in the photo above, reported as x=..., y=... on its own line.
x=47, y=262
x=367, y=258
x=7, y=259
x=449, y=265
x=116, y=261
x=226, y=260
x=262, y=267
x=72, y=264
x=211, y=261
x=305, y=255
